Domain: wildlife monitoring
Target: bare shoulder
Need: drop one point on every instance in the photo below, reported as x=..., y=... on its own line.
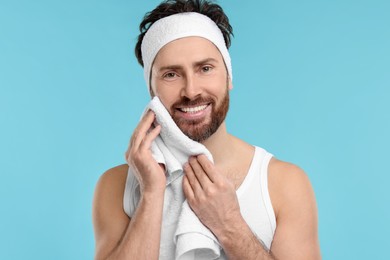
x=294, y=203
x=288, y=183
x=113, y=178
x=110, y=186
x=110, y=189
x=109, y=219
x=282, y=169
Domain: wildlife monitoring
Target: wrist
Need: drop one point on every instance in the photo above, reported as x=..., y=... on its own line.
x=155, y=189
x=231, y=230
x=153, y=195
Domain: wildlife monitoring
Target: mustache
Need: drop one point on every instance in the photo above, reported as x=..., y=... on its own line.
x=185, y=101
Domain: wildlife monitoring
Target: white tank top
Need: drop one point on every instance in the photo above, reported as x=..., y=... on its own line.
x=253, y=197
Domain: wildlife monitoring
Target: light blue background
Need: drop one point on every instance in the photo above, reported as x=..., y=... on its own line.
x=311, y=85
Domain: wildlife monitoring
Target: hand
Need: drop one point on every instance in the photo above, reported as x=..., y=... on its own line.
x=210, y=194
x=149, y=173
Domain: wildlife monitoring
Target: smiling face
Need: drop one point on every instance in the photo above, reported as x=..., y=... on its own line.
x=190, y=78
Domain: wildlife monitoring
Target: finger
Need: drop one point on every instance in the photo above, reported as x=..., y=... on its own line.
x=149, y=138
x=199, y=172
x=192, y=180
x=187, y=189
x=142, y=128
x=208, y=167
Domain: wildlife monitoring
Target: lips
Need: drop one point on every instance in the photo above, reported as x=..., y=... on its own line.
x=193, y=109
x=193, y=113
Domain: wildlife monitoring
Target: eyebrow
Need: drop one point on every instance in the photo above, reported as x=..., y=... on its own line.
x=195, y=64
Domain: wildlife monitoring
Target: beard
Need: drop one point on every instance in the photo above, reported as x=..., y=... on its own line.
x=200, y=130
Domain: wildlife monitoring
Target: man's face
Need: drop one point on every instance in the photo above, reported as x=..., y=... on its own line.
x=190, y=78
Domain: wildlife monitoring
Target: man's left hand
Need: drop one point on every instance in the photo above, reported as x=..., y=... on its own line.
x=210, y=194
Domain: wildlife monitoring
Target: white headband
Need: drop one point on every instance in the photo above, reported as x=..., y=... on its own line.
x=177, y=26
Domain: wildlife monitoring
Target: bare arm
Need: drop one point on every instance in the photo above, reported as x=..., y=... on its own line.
x=239, y=242
x=292, y=196
x=116, y=236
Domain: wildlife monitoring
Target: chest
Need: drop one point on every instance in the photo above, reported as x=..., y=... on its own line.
x=237, y=173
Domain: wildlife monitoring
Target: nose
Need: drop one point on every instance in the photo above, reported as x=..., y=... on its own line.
x=191, y=88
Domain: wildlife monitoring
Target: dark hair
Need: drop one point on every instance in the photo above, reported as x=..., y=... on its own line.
x=170, y=7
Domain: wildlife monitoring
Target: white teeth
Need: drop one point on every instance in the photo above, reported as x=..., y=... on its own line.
x=193, y=109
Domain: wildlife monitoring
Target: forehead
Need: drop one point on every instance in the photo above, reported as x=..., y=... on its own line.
x=187, y=49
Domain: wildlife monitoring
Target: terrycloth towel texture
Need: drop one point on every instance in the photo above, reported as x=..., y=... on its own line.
x=178, y=26
x=172, y=148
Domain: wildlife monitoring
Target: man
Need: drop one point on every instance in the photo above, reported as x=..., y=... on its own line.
x=257, y=206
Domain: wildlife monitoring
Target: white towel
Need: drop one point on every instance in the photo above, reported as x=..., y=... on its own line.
x=172, y=148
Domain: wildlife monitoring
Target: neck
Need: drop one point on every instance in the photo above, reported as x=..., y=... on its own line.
x=220, y=145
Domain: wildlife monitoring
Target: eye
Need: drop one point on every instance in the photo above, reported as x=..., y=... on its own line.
x=169, y=75
x=207, y=68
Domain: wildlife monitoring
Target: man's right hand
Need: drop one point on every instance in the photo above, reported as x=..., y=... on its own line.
x=139, y=157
